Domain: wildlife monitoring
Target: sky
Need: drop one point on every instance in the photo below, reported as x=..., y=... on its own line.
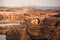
x=19, y=3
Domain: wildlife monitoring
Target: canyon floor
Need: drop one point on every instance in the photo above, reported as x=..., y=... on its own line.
x=29, y=24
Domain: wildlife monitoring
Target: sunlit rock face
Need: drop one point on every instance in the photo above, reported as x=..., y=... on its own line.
x=2, y=37
x=31, y=24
